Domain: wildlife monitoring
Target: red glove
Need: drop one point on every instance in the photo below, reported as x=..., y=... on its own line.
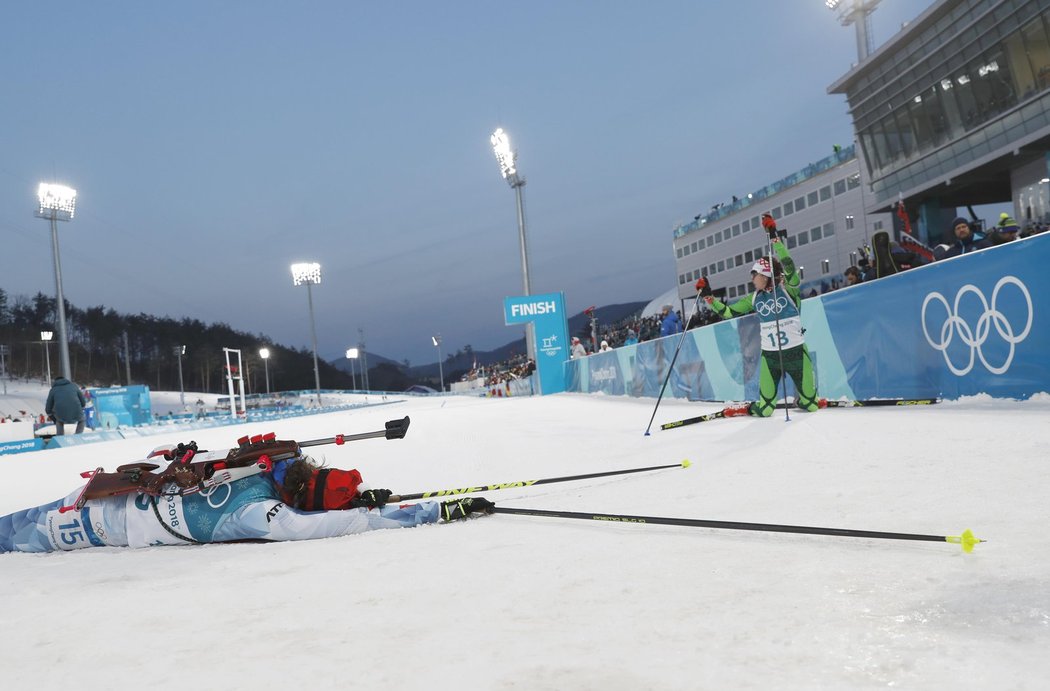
x=701, y=283
x=770, y=225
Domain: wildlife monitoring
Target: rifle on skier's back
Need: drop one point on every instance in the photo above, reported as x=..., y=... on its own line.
x=191, y=470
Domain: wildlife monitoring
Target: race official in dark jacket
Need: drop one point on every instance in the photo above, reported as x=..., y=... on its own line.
x=65, y=405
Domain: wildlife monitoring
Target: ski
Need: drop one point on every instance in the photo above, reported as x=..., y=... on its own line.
x=876, y=402
x=694, y=420
x=822, y=403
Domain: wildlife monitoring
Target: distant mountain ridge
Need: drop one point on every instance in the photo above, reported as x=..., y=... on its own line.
x=579, y=325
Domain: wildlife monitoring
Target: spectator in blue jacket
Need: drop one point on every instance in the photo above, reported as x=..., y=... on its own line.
x=65, y=405
x=670, y=323
x=966, y=240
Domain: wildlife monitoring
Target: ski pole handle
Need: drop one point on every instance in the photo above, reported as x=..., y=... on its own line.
x=395, y=429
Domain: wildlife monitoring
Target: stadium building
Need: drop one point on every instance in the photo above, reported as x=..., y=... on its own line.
x=954, y=111
x=822, y=208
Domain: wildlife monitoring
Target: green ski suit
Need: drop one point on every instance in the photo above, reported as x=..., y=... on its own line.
x=779, y=306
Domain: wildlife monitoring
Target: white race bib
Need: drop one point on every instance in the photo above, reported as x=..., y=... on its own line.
x=788, y=336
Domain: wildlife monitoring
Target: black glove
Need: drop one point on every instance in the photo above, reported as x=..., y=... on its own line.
x=461, y=508
x=370, y=498
x=703, y=286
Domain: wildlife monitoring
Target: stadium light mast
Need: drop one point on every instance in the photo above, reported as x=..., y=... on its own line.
x=58, y=203
x=351, y=355
x=310, y=274
x=856, y=12
x=45, y=337
x=436, y=340
x=507, y=159
x=264, y=353
x=180, y=350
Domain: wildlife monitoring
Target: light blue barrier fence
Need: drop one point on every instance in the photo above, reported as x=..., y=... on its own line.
x=974, y=324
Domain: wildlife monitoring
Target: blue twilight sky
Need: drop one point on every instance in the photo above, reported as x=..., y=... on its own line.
x=214, y=143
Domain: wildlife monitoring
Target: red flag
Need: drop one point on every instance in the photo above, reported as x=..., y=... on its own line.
x=903, y=216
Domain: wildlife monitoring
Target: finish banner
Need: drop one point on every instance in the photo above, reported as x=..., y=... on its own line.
x=979, y=323
x=551, y=328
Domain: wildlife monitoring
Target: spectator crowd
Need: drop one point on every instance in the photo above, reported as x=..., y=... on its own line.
x=871, y=263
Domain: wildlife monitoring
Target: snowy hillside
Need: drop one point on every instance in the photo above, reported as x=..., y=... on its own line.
x=509, y=602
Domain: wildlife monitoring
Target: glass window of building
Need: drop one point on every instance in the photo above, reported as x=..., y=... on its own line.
x=718, y=237
x=731, y=291
x=825, y=193
x=749, y=256
x=849, y=222
x=775, y=212
x=829, y=229
x=791, y=242
x=853, y=181
x=678, y=252
x=745, y=225
x=815, y=234
x=711, y=269
x=840, y=187
x=736, y=230
x=739, y=259
x=803, y=239
x=694, y=247
x=681, y=279
x=742, y=288
x=811, y=198
x=721, y=265
x=878, y=226
x=789, y=208
x=800, y=204
x=754, y=222
x=686, y=250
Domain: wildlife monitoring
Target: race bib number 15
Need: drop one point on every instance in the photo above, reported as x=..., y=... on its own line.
x=68, y=531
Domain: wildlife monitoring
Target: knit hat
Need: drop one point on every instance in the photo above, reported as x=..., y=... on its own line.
x=958, y=221
x=762, y=267
x=1007, y=224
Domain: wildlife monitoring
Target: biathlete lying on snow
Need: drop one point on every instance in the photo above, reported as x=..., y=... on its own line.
x=777, y=301
x=295, y=500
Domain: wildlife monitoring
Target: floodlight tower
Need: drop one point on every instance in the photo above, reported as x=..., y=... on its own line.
x=507, y=159
x=45, y=337
x=264, y=353
x=856, y=12
x=179, y=351
x=436, y=340
x=58, y=203
x=310, y=274
x=351, y=355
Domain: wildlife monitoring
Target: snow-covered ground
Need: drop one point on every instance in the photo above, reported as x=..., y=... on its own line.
x=509, y=602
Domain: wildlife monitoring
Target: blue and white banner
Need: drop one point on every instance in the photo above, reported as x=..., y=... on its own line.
x=21, y=446
x=121, y=406
x=551, y=327
x=974, y=324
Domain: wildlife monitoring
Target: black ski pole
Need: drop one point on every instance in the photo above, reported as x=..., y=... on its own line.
x=771, y=233
x=966, y=540
x=670, y=368
x=395, y=429
x=529, y=483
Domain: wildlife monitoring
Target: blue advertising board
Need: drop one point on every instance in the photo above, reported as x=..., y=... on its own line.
x=121, y=406
x=551, y=327
x=979, y=323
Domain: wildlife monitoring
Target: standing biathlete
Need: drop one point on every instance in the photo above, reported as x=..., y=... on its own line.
x=777, y=301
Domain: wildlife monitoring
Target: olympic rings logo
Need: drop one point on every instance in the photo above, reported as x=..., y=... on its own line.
x=766, y=307
x=976, y=337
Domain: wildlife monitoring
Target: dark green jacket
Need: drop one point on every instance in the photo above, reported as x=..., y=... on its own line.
x=65, y=402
